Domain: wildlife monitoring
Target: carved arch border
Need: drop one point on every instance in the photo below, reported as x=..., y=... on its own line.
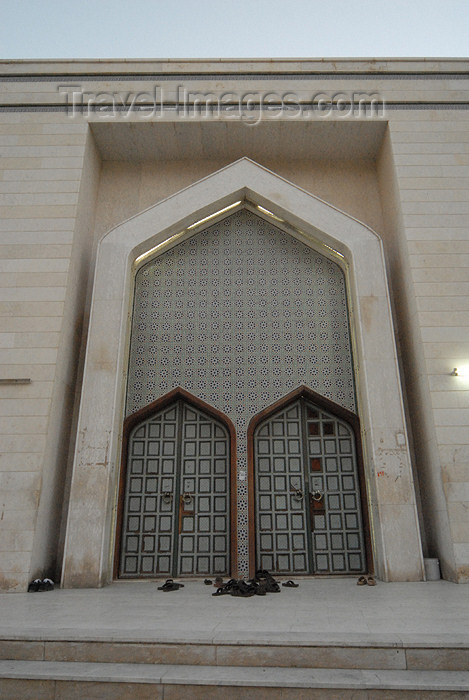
x=88, y=552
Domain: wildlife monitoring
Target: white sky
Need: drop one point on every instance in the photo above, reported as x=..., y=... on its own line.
x=233, y=28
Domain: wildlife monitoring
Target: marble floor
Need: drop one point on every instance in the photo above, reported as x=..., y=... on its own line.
x=320, y=610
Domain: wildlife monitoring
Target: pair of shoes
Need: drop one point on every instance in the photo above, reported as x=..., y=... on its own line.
x=366, y=581
x=37, y=585
x=170, y=585
x=290, y=584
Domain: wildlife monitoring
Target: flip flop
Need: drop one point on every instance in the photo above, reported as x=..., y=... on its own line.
x=362, y=581
x=170, y=585
x=290, y=584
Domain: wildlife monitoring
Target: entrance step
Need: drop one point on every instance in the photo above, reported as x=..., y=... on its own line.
x=380, y=655
x=60, y=680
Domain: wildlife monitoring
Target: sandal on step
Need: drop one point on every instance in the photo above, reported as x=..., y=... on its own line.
x=290, y=584
x=371, y=581
x=362, y=581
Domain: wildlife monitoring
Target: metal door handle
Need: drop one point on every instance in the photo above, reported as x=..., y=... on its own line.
x=317, y=495
x=187, y=497
x=298, y=495
x=167, y=497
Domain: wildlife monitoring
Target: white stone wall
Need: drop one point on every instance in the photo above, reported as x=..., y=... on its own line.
x=431, y=156
x=408, y=180
x=41, y=168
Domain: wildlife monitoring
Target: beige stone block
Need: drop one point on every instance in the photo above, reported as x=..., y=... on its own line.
x=21, y=650
x=20, y=128
x=61, y=162
x=450, y=399
x=444, y=318
x=48, y=151
x=433, y=289
x=40, y=324
x=440, y=260
x=35, y=265
x=437, y=659
x=440, y=274
x=64, y=139
x=447, y=234
x=461, y=553
x=29, y=356
x=20, y=518
x=14, y=541
x=31, y=308
x=459, y=513
x=35, y=279
x=37, y=251
x=450, y=353
x=20, y=689
x=79, y=690
x=460, y=534
x=105, y=652
x=36, y=294
x=38, y=224
x=457, y=491
x=35, y=372
x=438, y=333
x=452, y=436
x=37, y=340
x=24, y=407
x=15, y=562
x=310, y=657
x=21, y=424
x=38, y=186
x=23, y=211
x=23, y=199
x=32, y=174
x=20, y=461
x=451, y=417
x=7, y=340
x=67, y=127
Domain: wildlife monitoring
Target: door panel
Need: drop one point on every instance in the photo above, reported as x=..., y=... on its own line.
x=176, y=503
x=308, y=517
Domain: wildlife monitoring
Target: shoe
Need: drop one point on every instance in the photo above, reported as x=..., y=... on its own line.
x=34, y=585
x=170, y=585
x=362, y=581
x=290, y=584
x=370, y=580
x=46, y=584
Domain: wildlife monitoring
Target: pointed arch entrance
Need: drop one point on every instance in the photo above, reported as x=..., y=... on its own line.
x=176, y=513
x=90, y=533
x=308, y=496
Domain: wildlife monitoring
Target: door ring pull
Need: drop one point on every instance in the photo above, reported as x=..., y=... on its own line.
x=187, y=497
x=167, y=497
x=298, y=495
x=317, y=495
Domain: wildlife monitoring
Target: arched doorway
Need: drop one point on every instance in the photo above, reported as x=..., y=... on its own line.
x=90, y=521
x=310, y=510
x=175, y=492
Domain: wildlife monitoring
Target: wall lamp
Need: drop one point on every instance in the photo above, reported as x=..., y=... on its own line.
x=460, y=372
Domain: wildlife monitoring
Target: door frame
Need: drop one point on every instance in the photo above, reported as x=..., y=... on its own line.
x=303, y=392
x=146, y=412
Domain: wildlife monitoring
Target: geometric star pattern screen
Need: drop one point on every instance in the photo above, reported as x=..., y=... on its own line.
x=239, y=315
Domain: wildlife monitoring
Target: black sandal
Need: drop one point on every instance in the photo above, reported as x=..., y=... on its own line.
x=290, y=584
x=170, y=585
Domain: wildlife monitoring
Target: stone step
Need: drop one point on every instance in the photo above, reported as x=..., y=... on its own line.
x=100, y=681
x=411, y=656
